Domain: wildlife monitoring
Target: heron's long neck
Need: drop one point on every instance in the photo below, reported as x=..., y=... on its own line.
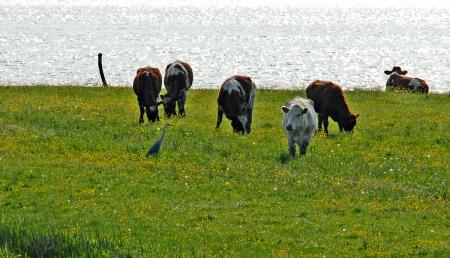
x=163, y=133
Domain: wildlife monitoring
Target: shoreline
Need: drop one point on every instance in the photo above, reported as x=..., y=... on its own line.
x=195, y=88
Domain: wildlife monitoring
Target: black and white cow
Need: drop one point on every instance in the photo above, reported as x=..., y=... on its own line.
x=397, y=79
x=177, y=81
x=236, y=100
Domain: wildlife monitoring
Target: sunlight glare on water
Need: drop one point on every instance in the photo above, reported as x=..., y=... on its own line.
x=281, y=44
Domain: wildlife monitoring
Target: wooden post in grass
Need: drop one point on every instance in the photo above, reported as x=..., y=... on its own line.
x=101, y=70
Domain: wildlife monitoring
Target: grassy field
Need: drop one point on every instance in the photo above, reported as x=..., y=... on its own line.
x=74, y=179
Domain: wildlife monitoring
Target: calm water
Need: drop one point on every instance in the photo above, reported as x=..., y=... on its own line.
x=281, y=46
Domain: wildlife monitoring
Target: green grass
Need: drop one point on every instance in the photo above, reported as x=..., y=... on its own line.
x=73, y=176
x=44, y=242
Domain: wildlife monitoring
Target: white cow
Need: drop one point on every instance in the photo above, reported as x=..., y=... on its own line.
x=299, y=123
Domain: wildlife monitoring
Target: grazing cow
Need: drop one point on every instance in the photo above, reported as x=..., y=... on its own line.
x=299, y=123
x=236, y=99
x=177, y=80
x=329, y=100
x=147, y=85
x=397, y=79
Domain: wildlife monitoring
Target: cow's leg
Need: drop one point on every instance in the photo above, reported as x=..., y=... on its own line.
x=320, y=122
x=147, y=111
x=303, y=147
x=340, y=127
x=291, y=146
x=242, y=123
x=181, y=101
x=141, y=117
x=325, y=124
x=219, y=117
x=249, y=119
x=250, y=106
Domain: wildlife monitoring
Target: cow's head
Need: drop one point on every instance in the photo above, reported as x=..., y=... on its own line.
x=238, y=125
x=169, y=104
x=295, y=117
x=152, y=113
x=397, y=70
x=348, y=122
x=148, y=97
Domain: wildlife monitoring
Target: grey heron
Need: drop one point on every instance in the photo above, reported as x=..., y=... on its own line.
x=157, y=145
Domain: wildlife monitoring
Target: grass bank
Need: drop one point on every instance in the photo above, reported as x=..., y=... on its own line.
x=73, y=168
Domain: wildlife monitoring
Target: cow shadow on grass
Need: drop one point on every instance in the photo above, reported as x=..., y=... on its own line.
x=284, y=157
x=23, y=240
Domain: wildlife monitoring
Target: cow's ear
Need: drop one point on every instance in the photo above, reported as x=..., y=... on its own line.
x=404, y=72
x=304, y=110
x=285, y=109
x=387, y=72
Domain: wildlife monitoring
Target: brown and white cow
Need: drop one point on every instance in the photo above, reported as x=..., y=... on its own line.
x=147, y=85
x=236, y=100
x=329, y=100
x=178, y=80
x=397, y=79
